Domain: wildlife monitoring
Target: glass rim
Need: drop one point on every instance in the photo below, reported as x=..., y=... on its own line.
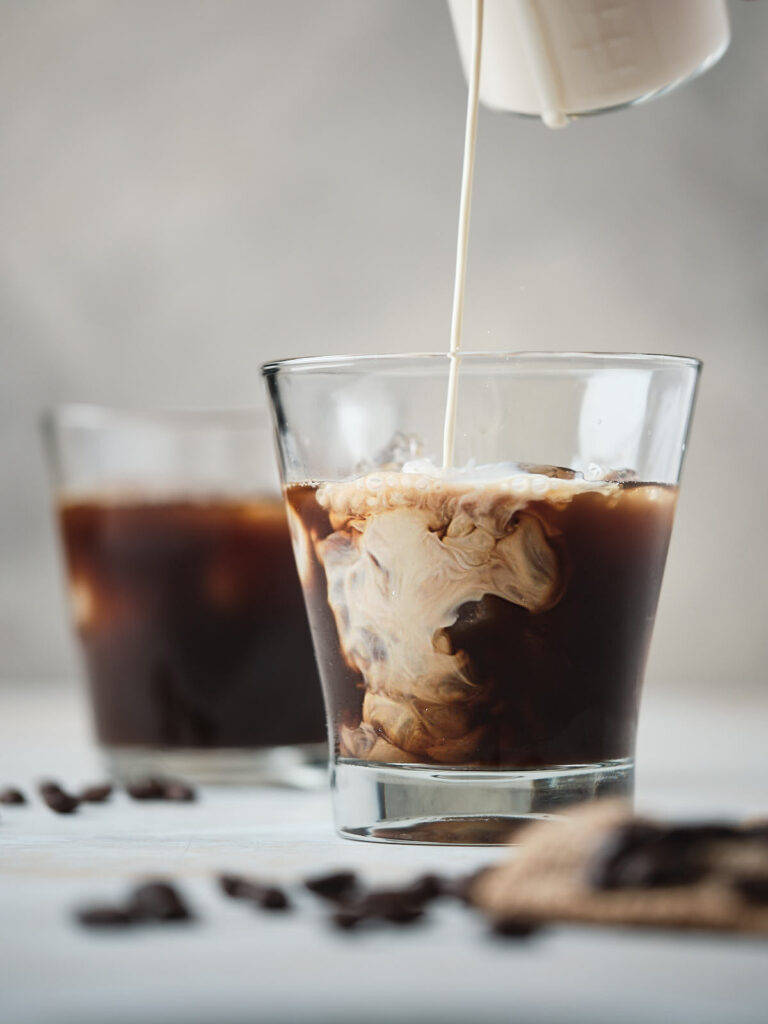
x=93, y=416
x=353, y=361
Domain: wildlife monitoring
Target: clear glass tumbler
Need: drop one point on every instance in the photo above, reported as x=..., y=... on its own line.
x=184, y=595
x=481, y=630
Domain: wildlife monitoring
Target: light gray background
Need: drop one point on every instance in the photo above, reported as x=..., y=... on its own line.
x=189, y=187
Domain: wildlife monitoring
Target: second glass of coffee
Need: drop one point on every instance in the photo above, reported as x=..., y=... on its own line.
x=185, y=596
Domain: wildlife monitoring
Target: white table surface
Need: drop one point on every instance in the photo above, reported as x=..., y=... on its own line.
x=237, y=964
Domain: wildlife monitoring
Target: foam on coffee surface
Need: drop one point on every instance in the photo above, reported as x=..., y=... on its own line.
x=409, y=549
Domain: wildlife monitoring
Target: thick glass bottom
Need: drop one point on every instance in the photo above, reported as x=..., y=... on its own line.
x=304, y=766
x=416, y=804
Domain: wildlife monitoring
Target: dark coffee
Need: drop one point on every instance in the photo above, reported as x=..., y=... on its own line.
x=494, y=625
x=192, y=623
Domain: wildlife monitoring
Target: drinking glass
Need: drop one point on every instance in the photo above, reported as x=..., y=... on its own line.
x=481, y=630
x=184, y=595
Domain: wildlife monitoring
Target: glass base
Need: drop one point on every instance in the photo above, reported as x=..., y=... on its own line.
x=414, y=804
x=304, y=766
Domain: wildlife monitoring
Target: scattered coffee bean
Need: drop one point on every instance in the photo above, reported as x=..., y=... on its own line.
x=604, y=866
x=268, y=897
x=96, y=794
x=395, y=906
x=241, y=888
x=338, y=886
x=230, y=885
x=640, y=855
x=153, y=788
x=273, y=898
x=157, y=901
x=12, y=796
x=514, y=927
x=698, y=834
x=104, y=916
x=657, y=869
x=57, y=799
x=179, y=792
x=347, y=919
x=146, y=789
x=403, y=914
x=428, y=887
x=753, y=890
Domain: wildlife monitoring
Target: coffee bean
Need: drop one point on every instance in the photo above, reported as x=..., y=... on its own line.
x=241, y=888
x=753, y=890
x=402, y=914
x=146, y=789
x=179, y=792
x=273, y=898
x=157, y=901
x=347, y=919
x=427, y=887
x=12, y=796
x=230, y=885
x=657, y=869
x=514, y=927
x=104, y=916
x=394, y=905
x=697, y=834
x=96, y=794
x=268, y=897
x=58, y=801
x=336, y=887
x=604, y=866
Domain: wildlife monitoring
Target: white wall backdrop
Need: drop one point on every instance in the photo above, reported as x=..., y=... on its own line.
x=189, y=187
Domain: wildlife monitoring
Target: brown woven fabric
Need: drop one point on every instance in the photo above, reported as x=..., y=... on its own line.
x=546, y=880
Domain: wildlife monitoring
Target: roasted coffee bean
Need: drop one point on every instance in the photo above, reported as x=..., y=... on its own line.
x=104, y=917
x=179, y=792
x=268, y=897
x=603, y=867
x=643, y=856
x=347, y=919
x=146, y=789
x=402, y=914
x=58, y=801
x=395, y=905
x=96, y=794
x=384, y=905
x=697, y=834
x=230, y=885
x=657, y=869
x=12, y=796
x=336, y=887
x=514, y=927
x=426, y=888
x=49, y=787
x=157, y=901
x=752, y=889
x=241, y=888
x=273, y=898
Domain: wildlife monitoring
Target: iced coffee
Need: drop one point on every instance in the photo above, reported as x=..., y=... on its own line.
x=496, y=620
x=192, y=623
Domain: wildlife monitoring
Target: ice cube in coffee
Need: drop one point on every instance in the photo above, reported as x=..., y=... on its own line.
x=192, y=623
x=493, y=624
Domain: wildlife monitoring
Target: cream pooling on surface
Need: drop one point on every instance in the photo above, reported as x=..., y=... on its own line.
x=407, y=551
